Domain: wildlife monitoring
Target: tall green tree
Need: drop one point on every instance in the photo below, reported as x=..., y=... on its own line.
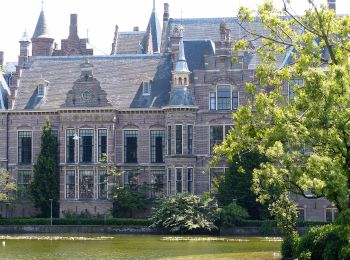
x=7, y=186
x=306, y=139
x=236, y=186
x=45, y=184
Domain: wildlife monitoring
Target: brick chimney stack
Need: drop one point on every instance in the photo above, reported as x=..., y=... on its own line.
x=73, y=27
x=166, y=12
x=331, y=4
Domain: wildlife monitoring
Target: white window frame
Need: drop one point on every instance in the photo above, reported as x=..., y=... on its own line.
x=182, y=139
x=41, y=90
x=182, y=180
x=65, y=144
x=93, y=144
x=75, y=184
x=168, y=188
x=223, y=130
x=24, y=130
x=192, y=186
x=98, y=143
x=146, y=88
x=232, y=89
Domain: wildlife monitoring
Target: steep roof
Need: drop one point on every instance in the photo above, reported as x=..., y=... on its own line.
x=4, y=93
x=129, y=42
x=41, y=29
x=121, y=76
x=155, y=30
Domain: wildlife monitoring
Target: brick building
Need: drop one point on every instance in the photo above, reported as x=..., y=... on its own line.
x=156, y=106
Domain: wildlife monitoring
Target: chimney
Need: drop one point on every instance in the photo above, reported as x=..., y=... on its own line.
x=73, y=27
x=331, y=4
x=136, y=29
x=1, y=59
x=166, y=12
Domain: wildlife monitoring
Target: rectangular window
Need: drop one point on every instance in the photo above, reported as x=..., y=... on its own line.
x=212, y=97
x=331, y=214
x=24, y=147
x=102, y=184
x=146, y=88
x=130, y=146
x=41, y=90
x=190, y=180
x=157, y=183
x=130, y=177
x=70, y=184
x=86, y=145
x=216, y=136
x=224, y=97
x=70, y=146
x=169, y=182
x=86, y=185
x=23, y=181
x=169, y=140
x=102, y=143
x=189, y=139
x=235, y=100
x=178, y=139
x=178, y=180
x=157, y=146
x=215, y=176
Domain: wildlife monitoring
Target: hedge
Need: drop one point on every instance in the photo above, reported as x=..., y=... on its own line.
x=76, y=221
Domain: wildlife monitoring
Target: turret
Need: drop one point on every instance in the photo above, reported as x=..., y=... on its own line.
x=42, y=42
x=181, y=73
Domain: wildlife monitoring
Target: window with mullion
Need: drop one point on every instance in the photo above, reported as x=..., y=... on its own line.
x=102, y=143
x=224, y=97
x=212, y=97
x=169, y=140
x=190, y=180
x=178, y=139
x=86, y=184
x=102, y=184
x=216, y=136
x=24, y=179
x=70, y=184
x=157, y=146
x=189, y=139
x=169, y=181
x=70, y=146
x=86, y=145
x=130, y=146
x=235, y=100
x=178, y=180
x=24, y=147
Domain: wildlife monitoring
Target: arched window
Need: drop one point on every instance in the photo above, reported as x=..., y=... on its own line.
x=180, y=81
x=185, y=81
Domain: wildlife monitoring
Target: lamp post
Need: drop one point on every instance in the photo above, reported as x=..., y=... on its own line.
x=51, y=211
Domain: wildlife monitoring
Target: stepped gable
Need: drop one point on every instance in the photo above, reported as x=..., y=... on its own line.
x=120, y=76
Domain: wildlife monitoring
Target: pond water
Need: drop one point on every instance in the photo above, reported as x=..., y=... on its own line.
x=137, y=247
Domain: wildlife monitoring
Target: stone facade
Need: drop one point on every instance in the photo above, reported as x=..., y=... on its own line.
x=154, y=114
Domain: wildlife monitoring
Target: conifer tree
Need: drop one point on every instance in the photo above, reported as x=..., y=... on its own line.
x=45, y=185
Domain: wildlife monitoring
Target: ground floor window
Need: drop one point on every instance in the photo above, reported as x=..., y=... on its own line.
x=169, y=181
x=178, y=180
x=215, y=176
x=190, y=180
x=24, y=178
x=157, y=183
x=86, y=184
x=102, y=184
x=70, y=184
x=330, y=214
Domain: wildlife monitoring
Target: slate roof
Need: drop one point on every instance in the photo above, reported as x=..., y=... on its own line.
x=41, y=29
x=156, y=31
x=4, y=92
x=129, y=42
x=195, y=51
x=120, y=76
x=181, y=96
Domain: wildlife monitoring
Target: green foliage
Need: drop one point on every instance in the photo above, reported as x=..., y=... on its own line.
x=232, y=214
x=236, y=186
x=185, y=213
x=76, y=221
x=306, y=141
x=7, y=186
x=326, y=242
x=289, y=245
x=45, y=184
x=128, y=199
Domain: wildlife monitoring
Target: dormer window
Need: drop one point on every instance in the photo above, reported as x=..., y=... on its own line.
x=147, y=88
x=41, y=90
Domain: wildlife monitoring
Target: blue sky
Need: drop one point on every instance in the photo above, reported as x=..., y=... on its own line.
x=101, y=16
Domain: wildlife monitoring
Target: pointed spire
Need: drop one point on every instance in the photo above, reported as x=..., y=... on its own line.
x=24, y=37
x=181, y=64
x=154, y=27
x=154, y=6
x=41, y=29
